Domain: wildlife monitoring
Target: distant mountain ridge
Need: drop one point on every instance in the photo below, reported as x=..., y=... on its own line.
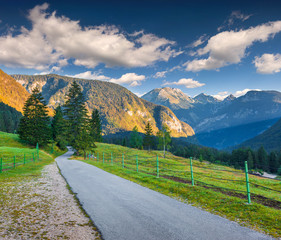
x=269, y=139
x=206, y=113
x=120, y=109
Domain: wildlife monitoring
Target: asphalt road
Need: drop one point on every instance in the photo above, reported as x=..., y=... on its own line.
x=123, y=210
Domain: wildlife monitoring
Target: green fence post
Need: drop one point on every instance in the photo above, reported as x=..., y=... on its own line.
x=103, y=158
x=111, y=159
x=157, y=166
x=1, y=163
x=14, y=161
x=123, y=160
x=137, y=163
x=247, y=183
x=191, y=170
x=24, y=158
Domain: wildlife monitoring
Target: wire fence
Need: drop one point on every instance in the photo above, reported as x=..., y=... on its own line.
x=8, y=163
x=196, y=173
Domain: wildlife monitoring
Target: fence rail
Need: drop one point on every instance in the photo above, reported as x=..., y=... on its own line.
x=8, y=163
x=189, y=173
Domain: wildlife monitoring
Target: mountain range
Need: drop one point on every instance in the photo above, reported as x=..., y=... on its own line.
x=119, y=108
x=246, y=116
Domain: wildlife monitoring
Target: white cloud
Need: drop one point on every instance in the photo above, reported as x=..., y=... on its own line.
x=243, y=92
x=187, y=82
x=160, y=74
x=199, y=41
x=235, y=15
x=53, y=38
x=221, y=95
x=268, y=63
x=129, y=78
x=91, y=75
x=229, y=47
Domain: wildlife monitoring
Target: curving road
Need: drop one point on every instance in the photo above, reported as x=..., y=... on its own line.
x=123, y=210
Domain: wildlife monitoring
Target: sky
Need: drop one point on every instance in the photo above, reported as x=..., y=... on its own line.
x=215, y=47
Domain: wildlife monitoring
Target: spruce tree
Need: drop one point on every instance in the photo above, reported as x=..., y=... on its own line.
x=148, y=140
x=59, y=128
x=34, y=126
x=75, y=113
x=262, y=159
x=95, y=127
x=250, y=160
x=273, y=162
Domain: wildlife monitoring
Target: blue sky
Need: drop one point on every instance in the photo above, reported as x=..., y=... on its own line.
x=215, y=47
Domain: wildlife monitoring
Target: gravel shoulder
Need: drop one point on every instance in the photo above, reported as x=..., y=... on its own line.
x=42, y=208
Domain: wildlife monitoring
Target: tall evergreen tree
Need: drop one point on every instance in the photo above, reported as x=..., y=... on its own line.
x=78, y=122
x=34, y=126
x=75, y=113
x=262, y=159
x=250, y=159
x=59, y=128
x=273, y=162
x=135, y=138
x=164, y=138
x=95, y=126
x=148, y=140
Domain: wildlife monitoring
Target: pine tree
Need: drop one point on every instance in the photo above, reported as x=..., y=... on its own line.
x=273, y=162
x=148, y=140
x=262, y=159
x=75, y=113
x=59, y=128
x=78, y=122
x=135, y=138
x=250, y=160
x=34, y=126
x=95, y=126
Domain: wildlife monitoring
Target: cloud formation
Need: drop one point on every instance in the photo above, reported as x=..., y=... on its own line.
x=229, y=47
x=91, y=75
x=235, y=15
x=268, y=63
x=187, y=82
x=222, y=95
x=53, y=38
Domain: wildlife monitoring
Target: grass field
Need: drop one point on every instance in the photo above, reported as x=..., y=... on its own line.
x=218, y=189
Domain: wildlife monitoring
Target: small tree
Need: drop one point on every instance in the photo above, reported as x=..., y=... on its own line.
x=148, y=140
x=164, y=138
x=262, y=159
x=135, y=138
x=34, y=126
x=250, y=160
x=95, y=126
x=273, y=162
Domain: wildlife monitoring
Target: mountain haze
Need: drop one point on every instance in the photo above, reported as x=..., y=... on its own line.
x=120, y=109
x=269, y=139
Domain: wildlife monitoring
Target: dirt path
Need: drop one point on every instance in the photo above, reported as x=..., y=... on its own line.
x=42, y=209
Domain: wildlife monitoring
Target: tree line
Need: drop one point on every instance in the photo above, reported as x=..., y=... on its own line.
x=71, y=124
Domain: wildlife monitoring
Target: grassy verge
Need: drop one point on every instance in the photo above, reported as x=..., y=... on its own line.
x=262, y=215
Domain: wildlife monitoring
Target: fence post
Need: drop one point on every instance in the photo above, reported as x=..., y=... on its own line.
x=137, y=163
x=14, y=161
x=103, y=158
x=191, y=170
x=1, y=164
x=123, y=160
x=24, y=158
x=37, y=151
x=157, y=166
x=247, y=182
x=111, y=159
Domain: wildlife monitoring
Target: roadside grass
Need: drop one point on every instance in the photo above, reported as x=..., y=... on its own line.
x=264, y=214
